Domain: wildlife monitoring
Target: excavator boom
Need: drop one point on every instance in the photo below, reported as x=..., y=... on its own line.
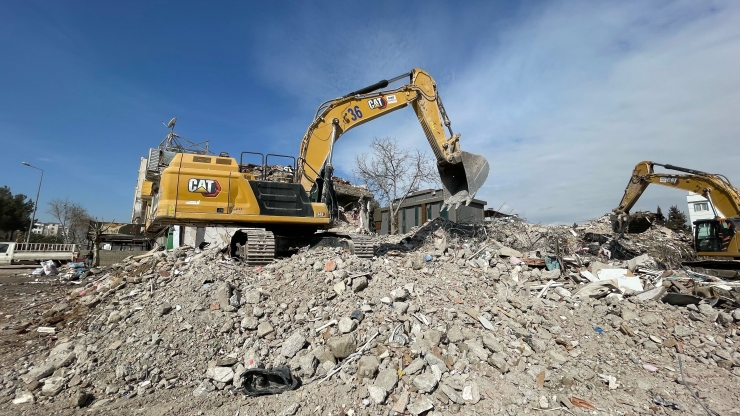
x=716, y=188
x=462, y=173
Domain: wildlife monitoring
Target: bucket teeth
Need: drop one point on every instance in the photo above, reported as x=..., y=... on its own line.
x=461, y=181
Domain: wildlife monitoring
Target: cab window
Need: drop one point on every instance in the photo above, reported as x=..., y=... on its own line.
x=706, y=237
x=704, y=230
x=4, y=248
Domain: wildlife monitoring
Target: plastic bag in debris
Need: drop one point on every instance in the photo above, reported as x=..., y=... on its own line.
x=76, y=265
x=38, y=272
x=551, y=263
x=49, y=268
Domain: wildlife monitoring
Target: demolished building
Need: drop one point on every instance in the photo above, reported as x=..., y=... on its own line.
x=502, y=318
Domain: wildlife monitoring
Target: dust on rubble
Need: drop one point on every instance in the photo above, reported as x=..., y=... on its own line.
x=500, y=318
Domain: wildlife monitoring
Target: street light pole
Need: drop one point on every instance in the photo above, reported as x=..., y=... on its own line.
x=36, y=204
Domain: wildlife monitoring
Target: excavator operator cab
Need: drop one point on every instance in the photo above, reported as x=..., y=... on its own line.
x=714, y=235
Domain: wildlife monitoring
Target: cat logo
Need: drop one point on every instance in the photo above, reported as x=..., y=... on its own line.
x=672, y=180
x=378, y=102
x=206, y=187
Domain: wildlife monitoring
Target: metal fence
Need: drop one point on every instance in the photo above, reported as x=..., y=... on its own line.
x=45, y=247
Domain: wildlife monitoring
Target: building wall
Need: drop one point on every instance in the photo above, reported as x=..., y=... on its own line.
x=52, y=229
x=137, y=210
x=470, y=213
x=422, y=206
x=424, y=195
x=109, y=257
x=699, y=208
x=46, y=228
x=220, y=236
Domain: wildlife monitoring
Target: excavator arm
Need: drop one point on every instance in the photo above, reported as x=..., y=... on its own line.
x=716, y=188
x=462, y=173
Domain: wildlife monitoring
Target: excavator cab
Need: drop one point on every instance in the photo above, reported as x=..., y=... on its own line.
x=715, y=235
x=706, y=235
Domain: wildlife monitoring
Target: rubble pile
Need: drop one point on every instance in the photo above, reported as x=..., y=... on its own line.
x=666, y=246
x=507, y=318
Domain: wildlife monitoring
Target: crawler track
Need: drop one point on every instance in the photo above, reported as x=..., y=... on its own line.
x=363, y=246
x=260, y=247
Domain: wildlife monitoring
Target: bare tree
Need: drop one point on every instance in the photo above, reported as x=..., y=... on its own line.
x=392, y=173
x=72, y=217
x=96, y=230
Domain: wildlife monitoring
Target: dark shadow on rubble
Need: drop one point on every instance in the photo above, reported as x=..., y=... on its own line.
x=411, y=242
x=620, y=252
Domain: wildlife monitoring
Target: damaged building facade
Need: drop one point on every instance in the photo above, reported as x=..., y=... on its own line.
x=421, y=206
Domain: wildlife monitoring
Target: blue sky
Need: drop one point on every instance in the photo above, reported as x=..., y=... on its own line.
x=563, y=98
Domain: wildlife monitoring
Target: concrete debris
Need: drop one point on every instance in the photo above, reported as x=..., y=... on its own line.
x=220, y=374
x=293, y=344
x=346, y=325
x=400, y=406
x=425, y=383
x=203, y=388
x=24, y=397
x=377, y=394
x=367, y=366
x=387, y=380
x=52, y=386
x=80, y=399
x=471, y=319
x=420, y=405
x=342, y=346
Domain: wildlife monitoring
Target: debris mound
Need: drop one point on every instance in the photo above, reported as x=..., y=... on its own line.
x=497, y=318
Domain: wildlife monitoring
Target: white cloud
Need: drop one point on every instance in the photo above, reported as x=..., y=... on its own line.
x=563, y=101
x=586, y=112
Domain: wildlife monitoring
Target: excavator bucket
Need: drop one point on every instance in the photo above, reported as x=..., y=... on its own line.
x=632, y=224
x=461, y=181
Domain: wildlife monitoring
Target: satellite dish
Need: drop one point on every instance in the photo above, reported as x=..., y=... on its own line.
x=172, y=122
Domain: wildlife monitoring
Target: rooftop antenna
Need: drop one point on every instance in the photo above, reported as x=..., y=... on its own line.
x=175, y=143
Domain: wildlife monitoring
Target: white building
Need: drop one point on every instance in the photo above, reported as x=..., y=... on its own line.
x=139, y=211
x=47, y=228
x=700, y=208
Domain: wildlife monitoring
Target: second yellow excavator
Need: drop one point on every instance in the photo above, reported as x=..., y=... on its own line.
x=712, y=237
x=203, y=190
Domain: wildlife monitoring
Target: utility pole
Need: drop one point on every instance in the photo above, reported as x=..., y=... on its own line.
x=36, y=204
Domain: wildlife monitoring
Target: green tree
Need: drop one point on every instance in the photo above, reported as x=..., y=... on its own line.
x=659, y=217
x=15, y=213
x=677, y=220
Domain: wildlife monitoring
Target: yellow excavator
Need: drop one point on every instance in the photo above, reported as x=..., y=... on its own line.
x=202, y=190
x=712, y=237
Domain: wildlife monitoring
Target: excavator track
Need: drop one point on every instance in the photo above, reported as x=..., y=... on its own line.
x=260, y=247
x=364, y=246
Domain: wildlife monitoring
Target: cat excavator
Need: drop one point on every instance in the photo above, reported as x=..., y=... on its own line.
x=715, y=237
x=203, y=190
